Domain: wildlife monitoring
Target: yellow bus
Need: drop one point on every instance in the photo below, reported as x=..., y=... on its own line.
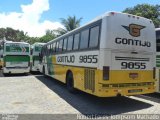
x=112, y=55
x=158, y=60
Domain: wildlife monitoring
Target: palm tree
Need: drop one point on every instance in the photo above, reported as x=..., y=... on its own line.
x=69, y=24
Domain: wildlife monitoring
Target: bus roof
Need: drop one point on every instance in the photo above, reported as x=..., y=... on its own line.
x=94, y=20
x=16, y=42
x=157, y=29
x=38, y=43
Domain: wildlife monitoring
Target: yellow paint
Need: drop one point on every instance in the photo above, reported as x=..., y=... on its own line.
x=1, y=63
x=116, y=77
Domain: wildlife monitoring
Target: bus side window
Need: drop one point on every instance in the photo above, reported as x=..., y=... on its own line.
x=57, y=45
x=54, y=47
x=60, y=45
x=46, y=50
x=51, y=48
x=76, y=41
x=48, y=47
x=94, y=37
x=84, y=39
x=70, y=43
x=65, y=44
x=158, y=40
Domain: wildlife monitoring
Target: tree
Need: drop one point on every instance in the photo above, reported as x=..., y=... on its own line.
x=145, y=10
x=69, y=24
x=48, y=36
x=2, y=33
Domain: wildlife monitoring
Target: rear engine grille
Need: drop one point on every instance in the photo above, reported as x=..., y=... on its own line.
x=89, y=79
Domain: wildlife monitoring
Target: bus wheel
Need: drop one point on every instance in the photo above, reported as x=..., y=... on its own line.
x=5, y=74
x=70, y=82
x=43, y=71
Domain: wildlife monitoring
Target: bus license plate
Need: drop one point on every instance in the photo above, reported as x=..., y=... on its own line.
x=135, y=90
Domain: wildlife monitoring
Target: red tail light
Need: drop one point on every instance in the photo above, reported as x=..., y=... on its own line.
x=112, y=13
x=106, y=72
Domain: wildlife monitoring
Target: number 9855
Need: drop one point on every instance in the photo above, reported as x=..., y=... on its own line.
x=133, y=65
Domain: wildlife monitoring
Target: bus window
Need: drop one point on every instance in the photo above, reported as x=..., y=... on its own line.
x=60, y=45
x=65, y=44
x=84, y=39
x=158, y=40
x=70, y=43
x=54, y=47
x=94, y=35
x=57, y=45
x=76, y=42
x=48, y=48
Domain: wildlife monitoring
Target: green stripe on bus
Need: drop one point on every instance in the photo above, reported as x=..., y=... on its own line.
x=17, y=58
x=157, y=61
x=157, y=65
x=16, y=49
x=158, y=56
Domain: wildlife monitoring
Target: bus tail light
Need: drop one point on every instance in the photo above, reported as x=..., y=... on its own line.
x=112, y=13
x=154, y=73
x=105, y=72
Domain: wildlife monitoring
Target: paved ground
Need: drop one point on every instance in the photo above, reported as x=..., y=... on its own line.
x=36, y=94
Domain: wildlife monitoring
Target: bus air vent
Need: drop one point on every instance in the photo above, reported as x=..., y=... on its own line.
x=89, y=79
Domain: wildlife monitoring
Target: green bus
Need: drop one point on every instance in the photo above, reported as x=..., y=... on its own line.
x=1, y=55
x=158, y=60
x=35, y=59
x=16, y=57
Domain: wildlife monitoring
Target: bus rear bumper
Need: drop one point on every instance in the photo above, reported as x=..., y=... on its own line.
x=35, y=69
x=16, y=70
x=125, y=91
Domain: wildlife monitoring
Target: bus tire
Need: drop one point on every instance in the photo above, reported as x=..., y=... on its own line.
x=43, y=72
x=5, y=74
x=70, y=83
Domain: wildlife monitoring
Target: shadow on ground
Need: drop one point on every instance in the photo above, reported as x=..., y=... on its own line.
x=88, y=104
x=155, y=97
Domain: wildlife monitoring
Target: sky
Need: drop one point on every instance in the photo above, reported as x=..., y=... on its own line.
x=36, y=16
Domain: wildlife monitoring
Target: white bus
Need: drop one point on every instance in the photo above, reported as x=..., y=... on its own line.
x=158, y=59
x=16, y=57
x=112, y=55
x=35, y=60
x=1, y=55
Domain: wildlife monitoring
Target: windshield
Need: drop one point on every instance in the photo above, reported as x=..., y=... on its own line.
x=158, y=40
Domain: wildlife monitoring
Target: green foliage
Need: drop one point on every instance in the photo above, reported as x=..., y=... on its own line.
x=70, y=23
x=19, y=36
x=145, y=10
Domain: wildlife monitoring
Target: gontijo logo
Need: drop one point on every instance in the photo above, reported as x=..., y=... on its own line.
x=134, y=29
